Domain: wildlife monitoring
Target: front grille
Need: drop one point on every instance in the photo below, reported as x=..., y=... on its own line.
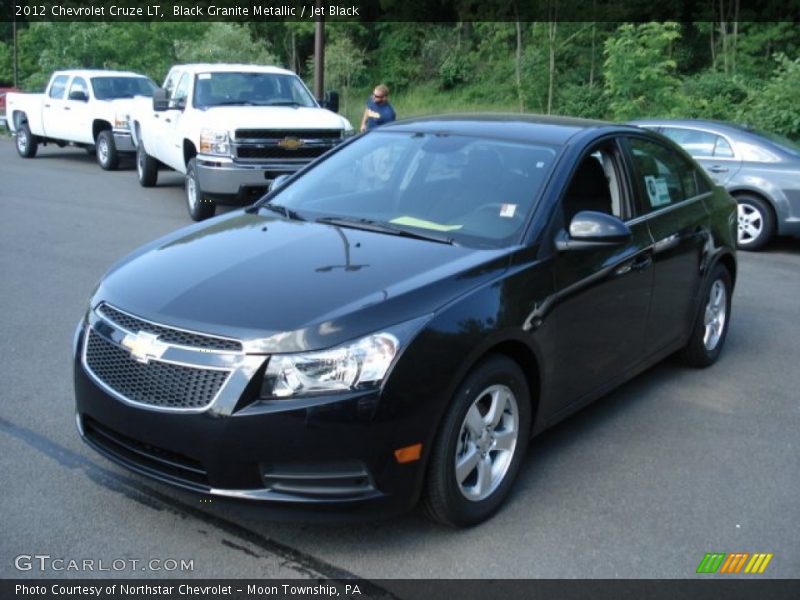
x=276, y=152
x=167, y=335
x=279, y=134
x=150, y=458
x=157, y=384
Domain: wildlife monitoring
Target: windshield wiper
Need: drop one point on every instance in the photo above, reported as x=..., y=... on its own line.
x=383, y=227
x=285, y=211
x=286, y=103
x=233, y=103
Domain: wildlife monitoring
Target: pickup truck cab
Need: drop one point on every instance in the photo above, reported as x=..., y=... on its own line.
x=231, y=130
x=85, y=108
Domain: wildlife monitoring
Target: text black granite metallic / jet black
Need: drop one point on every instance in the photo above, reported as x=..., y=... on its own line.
x=397, y=320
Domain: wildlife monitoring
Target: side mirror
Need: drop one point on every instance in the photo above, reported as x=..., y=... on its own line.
x=79, y=95
x=160, y=102
x=331, y=101
x=277, y=182
x=590, y=229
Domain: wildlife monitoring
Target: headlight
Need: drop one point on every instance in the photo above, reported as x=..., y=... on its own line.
x=348, y=131
x=216, y=143
x=357, y=365
x=122, y=121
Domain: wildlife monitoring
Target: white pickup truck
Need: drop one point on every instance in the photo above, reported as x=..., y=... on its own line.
x=231, y=130
x=85, y=108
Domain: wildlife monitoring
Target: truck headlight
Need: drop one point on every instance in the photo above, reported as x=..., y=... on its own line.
x=357, y=365
x=122, y=121
x=215, y=143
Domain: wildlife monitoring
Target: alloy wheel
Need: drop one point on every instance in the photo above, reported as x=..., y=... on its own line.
x=751, y=223
x=715, y=314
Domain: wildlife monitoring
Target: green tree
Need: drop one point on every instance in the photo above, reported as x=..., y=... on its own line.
x=225, y=42
x=774, y=106
x=6, y=66
x=639, y=70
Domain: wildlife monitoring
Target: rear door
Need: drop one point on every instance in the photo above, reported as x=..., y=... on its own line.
x=713, y=151
x=669, y=199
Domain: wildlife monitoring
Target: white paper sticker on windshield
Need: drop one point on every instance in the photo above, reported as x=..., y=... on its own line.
x=508, y=210
x=204, y=76
x=657, y=190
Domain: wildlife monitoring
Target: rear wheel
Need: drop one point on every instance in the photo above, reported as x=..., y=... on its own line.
x=711, y=325
x=27, y=143
x=199, y=207
x=483, y=439
x=756, y=222
x=107, y=156
x=146, y=167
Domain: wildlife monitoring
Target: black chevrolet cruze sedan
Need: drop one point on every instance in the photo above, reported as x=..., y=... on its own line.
x=397, y=320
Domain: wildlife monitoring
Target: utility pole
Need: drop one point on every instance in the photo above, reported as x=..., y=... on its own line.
x=14, y=44
x=319, y=51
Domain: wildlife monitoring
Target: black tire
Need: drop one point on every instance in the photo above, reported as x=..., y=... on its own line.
x=146, y=167
x=708, y=333
x=106, y=151
x=461, y=500
x=198, y=206
x=756, y=221
x=27, y=143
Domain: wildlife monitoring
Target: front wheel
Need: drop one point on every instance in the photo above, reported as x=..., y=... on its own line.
x=146, y=167
x=199, y=208
x=27, y=143
x=480, y=447
x=756, y=222
x=711, y=326
x=106, y=149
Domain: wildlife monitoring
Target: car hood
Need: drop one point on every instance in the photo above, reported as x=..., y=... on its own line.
x=272, y=117
x=293, y=285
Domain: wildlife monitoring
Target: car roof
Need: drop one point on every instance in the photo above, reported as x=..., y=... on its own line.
x=231, y=68
x=710, y=124
x=97, y=73
x=547, y=129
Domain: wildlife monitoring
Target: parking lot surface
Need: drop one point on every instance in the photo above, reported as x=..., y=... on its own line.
x=642, y=484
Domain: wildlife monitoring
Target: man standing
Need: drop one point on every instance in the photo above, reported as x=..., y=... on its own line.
x=378, y=110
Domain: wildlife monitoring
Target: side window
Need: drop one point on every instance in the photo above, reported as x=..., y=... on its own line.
x=596, y=184
x=170, y=83
x=696, y=143
x=181, y=91
x=723, y=148
x=78, y=85
x=664, y=176
x=58, y=87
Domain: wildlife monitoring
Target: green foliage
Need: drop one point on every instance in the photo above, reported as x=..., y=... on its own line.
x=711, y=95
x=640, y=75
x=344, y=66
x=225, y=42
x=773, y=106
x=6, y=65
x=394, y=60
x=581, y=100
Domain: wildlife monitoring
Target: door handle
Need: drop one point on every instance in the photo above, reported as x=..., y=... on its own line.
x=47, y=106
x=641, y=262
x=168, y=120
x=718, y=169
x=67, y=108
x=156, y=116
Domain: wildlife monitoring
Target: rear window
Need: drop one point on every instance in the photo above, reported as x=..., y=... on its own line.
x=112, y=88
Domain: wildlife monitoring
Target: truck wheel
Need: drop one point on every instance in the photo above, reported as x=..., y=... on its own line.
x=146, y=167
x=107, y=156
x=27, y=143
x=199, y=207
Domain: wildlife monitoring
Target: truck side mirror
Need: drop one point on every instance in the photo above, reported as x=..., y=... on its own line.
x=78, y=95
x=160, y=102
x=331, y=101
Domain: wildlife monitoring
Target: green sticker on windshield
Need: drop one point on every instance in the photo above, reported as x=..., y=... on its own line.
x=423, y=224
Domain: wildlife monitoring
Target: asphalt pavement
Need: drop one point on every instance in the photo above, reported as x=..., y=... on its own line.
x=677, y=463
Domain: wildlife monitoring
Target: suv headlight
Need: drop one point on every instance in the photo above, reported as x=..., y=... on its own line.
x=357, y=365
x=215, y=143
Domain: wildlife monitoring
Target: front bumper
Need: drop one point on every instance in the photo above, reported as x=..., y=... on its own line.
x=124, y=142
x=330, y=451
x=227, y=180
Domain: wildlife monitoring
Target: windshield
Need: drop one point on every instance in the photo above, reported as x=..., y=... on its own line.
x=111, y=88
x=476, y=191
x=254, y=89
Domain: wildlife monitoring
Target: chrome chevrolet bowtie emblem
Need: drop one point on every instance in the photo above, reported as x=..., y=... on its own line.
x=143, y=346
x=290, y=143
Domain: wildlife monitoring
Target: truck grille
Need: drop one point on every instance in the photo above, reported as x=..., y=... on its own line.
x=279, y=134
x=168, y=335
x=275, y=152
x=155, y=383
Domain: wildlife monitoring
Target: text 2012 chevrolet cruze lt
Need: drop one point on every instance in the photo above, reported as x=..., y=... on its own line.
x=400, y=318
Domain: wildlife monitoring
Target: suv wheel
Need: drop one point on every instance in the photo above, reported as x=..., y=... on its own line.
x=146, y=167
x=27, y=143
x=106, y=149
x=199, y=207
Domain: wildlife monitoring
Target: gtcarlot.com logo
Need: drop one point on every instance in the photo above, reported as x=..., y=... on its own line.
x=734, y=563
x=45, y=562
